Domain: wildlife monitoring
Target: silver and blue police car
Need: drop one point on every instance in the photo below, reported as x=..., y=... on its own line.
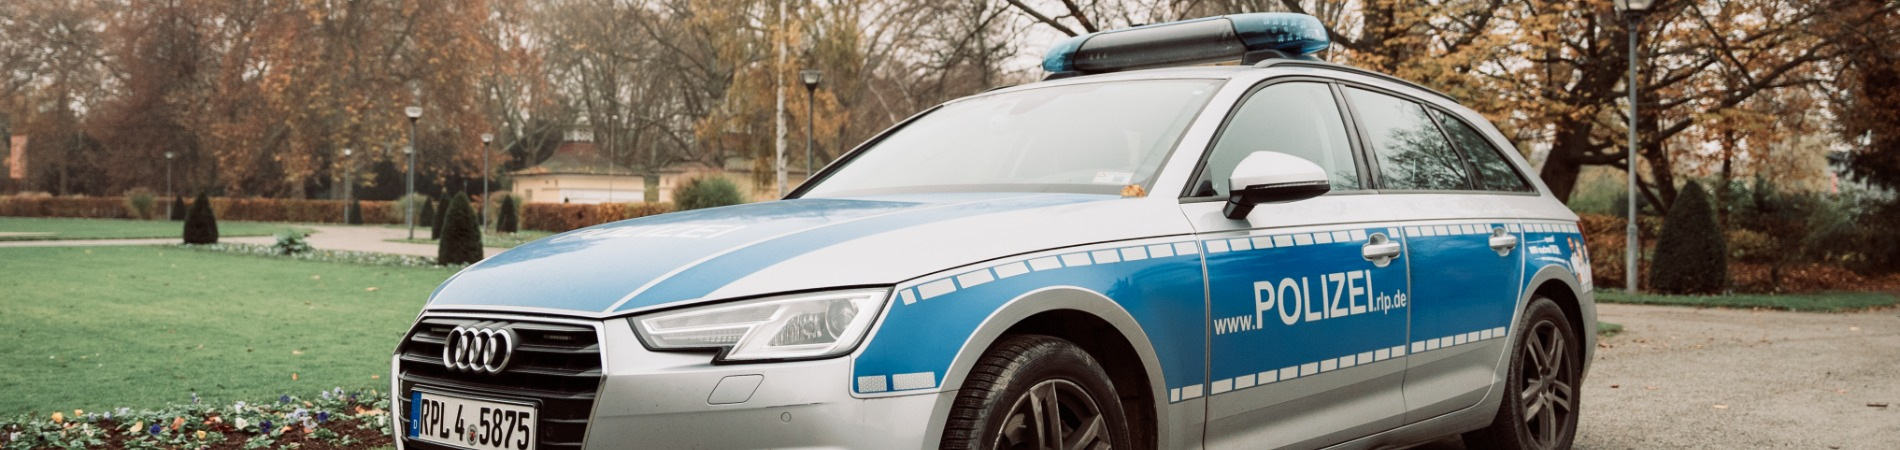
x=1129, y=254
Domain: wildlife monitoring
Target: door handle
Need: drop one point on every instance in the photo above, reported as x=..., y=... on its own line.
x=1503, y=241
x=1380, y=249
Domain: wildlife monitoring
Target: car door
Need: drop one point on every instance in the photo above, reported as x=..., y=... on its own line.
x=1307, y=335
x=1463, y=249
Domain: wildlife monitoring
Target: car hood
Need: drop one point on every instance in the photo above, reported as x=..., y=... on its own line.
x=791, y=245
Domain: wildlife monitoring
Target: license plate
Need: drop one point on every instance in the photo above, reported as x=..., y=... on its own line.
x=471, y=423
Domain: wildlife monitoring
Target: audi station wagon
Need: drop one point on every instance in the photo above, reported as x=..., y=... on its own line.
x=1150, y=248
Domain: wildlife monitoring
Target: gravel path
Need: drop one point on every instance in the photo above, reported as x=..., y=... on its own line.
x=1715, y=378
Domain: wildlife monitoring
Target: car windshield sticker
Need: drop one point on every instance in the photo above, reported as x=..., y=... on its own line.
x=1113, y=177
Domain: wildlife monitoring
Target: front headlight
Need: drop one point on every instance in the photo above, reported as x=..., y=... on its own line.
x=802, y=326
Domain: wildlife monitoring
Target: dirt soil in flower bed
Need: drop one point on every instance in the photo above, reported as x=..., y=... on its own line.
x=364, y=437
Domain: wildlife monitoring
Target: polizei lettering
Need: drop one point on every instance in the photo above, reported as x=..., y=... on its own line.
x=1311, y=299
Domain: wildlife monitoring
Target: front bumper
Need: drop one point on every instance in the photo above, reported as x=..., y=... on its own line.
x=651, y=399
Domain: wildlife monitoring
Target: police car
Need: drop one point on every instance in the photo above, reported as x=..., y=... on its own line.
x=1141, y=251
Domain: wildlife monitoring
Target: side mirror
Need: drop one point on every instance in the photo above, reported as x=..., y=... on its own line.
x=1272, y=177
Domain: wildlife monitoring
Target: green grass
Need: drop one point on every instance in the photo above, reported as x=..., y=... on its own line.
x=509, y=240
x=1606, y=329
x=141, y=327
x=1813, y=302
x=42, y=228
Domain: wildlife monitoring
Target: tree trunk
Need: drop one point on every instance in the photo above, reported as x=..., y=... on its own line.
x=1656, y=151
x=1563, y=164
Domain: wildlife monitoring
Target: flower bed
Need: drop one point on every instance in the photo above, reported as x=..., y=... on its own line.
x=336, y=256
x=334, y=420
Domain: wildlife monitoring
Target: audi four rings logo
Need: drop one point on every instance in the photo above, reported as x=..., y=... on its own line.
x=478, y=349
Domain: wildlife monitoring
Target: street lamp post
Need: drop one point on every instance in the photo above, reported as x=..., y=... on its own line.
x=168, y=172
x=168, y=180
x=486, y=138
x=811, y=77
x=349, y=185
x=409, y=190
x=1632, y=11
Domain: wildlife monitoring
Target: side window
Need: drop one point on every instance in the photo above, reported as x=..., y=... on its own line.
x=1494, y=172
x=1412, y=154
x=1298, y=118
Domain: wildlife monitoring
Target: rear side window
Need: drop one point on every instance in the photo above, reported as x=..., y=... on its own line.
x=1494, y=172
x=1412, y=153
x=1297, y=118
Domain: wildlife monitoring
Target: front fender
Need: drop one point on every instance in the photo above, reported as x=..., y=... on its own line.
x=938, y=326
x=1054, y=298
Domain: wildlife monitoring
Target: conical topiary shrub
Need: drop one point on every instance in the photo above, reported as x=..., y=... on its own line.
x=461, y=234
x=178, y=209
x=508, y=219
x=1691, y=255
x=354, y=211
x=432, y=218
x=201, y=225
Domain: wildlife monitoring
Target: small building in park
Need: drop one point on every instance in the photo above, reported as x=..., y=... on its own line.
x=578, y=172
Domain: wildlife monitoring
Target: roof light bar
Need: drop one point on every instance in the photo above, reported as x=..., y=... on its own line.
x=1239, y=36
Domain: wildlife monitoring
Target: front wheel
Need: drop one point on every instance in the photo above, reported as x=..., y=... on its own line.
x=1035, y=392
x=1539, y=410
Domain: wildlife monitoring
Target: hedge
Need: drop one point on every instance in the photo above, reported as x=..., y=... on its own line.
x=245, y=209
x=559, y=217
x=556, y=217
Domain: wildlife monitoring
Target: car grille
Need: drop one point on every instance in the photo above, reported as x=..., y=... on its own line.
x=556, y=365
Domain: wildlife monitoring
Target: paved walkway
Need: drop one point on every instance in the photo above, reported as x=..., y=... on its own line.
x=325, y=237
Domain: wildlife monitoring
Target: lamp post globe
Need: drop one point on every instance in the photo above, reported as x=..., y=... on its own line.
x=1637, y=6
x=486, y=138
x=409, y=183
x=1632, y=11
x=811, y=78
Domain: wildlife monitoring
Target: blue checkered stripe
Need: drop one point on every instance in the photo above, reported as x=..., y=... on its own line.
x=939, y=287
x=1546, y=228
x=1227, y=385
x=950, y=284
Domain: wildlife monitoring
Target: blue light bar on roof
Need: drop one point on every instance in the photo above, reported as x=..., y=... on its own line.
x=1196, y=41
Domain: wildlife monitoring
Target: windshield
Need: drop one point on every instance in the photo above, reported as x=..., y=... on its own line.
x=1085, y=138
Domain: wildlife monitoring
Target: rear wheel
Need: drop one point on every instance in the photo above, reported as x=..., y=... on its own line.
x=1540, y=396
x=1037, y=392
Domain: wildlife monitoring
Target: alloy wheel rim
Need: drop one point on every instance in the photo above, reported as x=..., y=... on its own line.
x=1054, y=415
x=1548, y=399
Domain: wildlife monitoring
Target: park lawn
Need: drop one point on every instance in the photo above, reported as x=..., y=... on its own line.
x=97, y=327
x=46, y=228
x=495, y=240
x=1809, y=302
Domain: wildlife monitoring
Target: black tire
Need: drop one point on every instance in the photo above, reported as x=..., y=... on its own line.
x=1010, y=390
x=1540, y=404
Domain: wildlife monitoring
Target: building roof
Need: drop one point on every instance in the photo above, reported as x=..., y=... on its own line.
x=576, y=157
